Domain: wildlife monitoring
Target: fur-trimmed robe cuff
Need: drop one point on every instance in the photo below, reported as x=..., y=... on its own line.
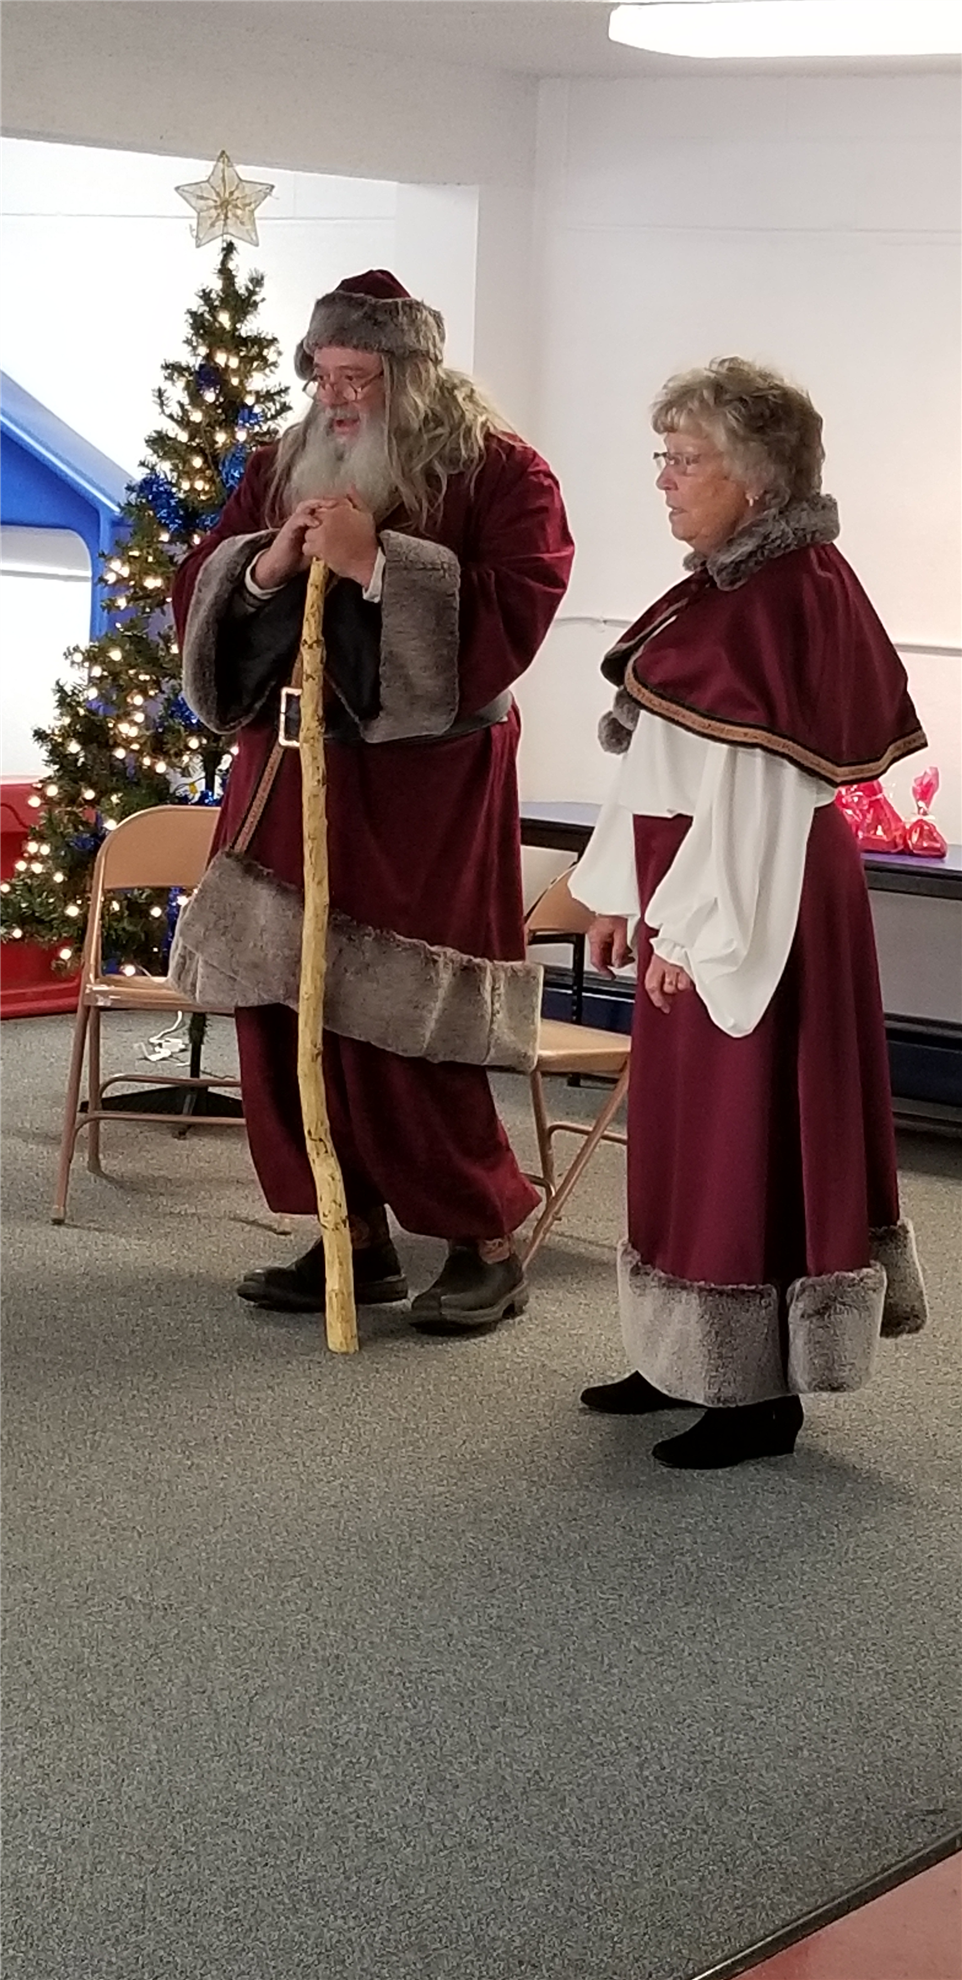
x=726, y=1346
x=218, y=586
x=420, y=603
x=238, y=943
x=419, y=686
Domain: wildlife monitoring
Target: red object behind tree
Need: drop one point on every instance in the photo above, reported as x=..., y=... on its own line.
x=30, y=984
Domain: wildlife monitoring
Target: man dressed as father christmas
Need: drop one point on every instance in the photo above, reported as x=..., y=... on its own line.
x=449, y=553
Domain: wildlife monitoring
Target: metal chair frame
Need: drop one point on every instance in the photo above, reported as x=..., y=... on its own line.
x=569, y=1050
x=167, y=845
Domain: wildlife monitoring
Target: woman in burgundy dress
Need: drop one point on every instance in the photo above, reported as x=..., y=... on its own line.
x=765, y=1250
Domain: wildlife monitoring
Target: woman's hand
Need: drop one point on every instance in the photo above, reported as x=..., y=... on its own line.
x=343, y=536
x=608, y=943
x=664, y=981
x=286, y=557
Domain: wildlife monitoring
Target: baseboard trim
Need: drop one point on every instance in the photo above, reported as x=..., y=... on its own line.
x=828, y=1914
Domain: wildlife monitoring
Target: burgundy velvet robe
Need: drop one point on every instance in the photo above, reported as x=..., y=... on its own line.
x=761, y=1169
x=769, y=1158
x=423, y=839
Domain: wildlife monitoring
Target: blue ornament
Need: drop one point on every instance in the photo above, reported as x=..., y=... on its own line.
x=249, y=416
x=181, y=711
x=161, y=495
x=232, y=467
x=208, y=519
x=207, y=377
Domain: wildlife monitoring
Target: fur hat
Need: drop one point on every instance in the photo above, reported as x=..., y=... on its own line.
x=371, y=312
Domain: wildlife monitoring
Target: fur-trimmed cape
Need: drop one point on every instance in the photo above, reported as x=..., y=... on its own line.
x=771, y=643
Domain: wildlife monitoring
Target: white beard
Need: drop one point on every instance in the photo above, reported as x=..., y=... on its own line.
x=334, y=464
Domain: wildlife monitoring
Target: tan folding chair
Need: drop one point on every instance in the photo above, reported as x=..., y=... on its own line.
x=165, y=846
x=566, y=1050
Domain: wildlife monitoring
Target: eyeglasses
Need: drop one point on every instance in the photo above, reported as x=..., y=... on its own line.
x=352, y=384
x=679, y=463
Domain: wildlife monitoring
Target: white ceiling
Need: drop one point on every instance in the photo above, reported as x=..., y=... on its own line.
x=521, y=37
x=531, y=38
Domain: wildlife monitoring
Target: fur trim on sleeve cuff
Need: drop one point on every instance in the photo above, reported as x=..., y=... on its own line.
x=419, y=682
x=217, y=583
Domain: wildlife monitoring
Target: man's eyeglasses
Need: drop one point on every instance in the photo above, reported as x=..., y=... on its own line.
x=352, y=385
x=678, y=463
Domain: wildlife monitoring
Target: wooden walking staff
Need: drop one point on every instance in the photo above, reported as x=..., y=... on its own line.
x=340, y=1313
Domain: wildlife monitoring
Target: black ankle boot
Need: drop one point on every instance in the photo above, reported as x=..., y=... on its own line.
x=724, y=1437
x=299, y=1288
x=632, y=1396
x=470, y=1292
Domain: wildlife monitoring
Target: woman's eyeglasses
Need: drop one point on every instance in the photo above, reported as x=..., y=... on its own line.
x=678, y=463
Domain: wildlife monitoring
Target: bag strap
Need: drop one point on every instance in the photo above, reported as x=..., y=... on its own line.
x=265, y=784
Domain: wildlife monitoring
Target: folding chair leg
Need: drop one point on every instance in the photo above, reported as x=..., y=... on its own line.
x=559, y=1197
x=68, y=1139
x=94, y=1079
x=545, y=1149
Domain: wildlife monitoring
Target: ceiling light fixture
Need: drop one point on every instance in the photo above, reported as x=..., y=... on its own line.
x=736, y=29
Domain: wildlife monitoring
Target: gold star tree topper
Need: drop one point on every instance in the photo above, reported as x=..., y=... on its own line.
x=225, y=203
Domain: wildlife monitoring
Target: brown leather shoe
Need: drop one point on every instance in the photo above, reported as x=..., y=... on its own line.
x=471, y=1293
x=299, y=1288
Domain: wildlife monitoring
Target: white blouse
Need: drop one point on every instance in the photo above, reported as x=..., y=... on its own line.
x=727, y=908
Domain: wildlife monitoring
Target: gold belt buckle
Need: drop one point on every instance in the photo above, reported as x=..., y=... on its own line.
x=289, y=723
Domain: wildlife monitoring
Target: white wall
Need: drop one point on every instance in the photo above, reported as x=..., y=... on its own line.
x=44, y=608
x=98, y=251
x=637, y=227
x=184, y=80
x=811, y=222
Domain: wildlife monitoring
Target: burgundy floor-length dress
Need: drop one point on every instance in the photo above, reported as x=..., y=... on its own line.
x=768, y=1158
x=765, y=1252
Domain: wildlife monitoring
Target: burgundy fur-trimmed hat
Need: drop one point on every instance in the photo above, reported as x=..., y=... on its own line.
x=372, y=312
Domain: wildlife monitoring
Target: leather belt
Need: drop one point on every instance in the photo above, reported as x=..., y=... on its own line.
x=489, y=717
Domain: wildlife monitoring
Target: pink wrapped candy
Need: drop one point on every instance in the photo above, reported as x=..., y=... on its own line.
x=922, y=835
x=879, y=829
x=851, y=802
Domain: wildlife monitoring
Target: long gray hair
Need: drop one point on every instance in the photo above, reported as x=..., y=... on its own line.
x=436, y=425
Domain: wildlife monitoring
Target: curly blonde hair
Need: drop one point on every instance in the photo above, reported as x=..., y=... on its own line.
x=766, y=429
x=437, y=422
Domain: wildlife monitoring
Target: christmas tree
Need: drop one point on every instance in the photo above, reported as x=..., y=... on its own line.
x=123, y=737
